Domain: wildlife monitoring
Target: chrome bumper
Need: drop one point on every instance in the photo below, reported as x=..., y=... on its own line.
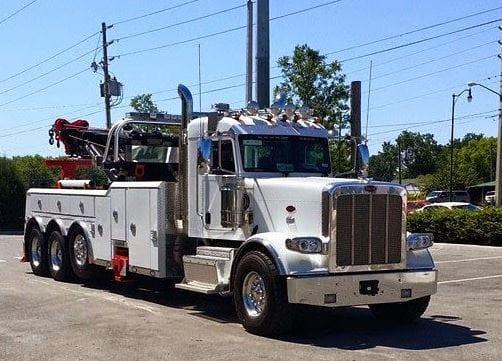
x=361, y=289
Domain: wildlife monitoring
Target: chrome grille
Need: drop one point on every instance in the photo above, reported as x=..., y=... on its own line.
x=368, y=229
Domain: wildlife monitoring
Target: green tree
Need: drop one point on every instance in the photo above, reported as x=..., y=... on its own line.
x=383, y=166
x=419, y=153
x=474, y=159
x=339, y=151
x=34, y=173
x=12, y=196
x=143, y=103
x=309, y=80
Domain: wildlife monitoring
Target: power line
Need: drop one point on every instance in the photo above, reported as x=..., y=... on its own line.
x=25, y=131
x=179, y=42
x=154, y=12
x=379, y=64
x=50, y=58
x=49, y=107
x=48, y=72
x=17, y=12
x=429, y=122
x=223, y=31
x=474, y=115
x=422, y=50
x=428, y=94
x=305, y=10
x=118, y=107
x=439, y=126
x=52, y=117
x=181, y=23
x=428, y=27
x=417, y=41
x=434, y=60
x=44, y=88
x=433, y=73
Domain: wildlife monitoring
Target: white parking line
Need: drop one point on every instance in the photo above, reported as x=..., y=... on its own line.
x=470, y=279
x=2, y=261
x=469, y=259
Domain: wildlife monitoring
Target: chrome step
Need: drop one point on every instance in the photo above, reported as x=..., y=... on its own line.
x=220, y=252
x=208, y=271
x=200, y=287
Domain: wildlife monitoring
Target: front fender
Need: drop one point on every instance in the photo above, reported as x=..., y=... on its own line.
x=419, y=259
x=288, y=262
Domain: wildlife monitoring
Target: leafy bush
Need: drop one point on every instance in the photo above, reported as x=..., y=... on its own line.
x=34, y=173
x=12, y=196
x=482, y=227
x=97, y=175
x=17, y=175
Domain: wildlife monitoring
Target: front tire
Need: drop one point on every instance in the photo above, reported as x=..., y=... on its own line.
x=78, y=248
x=38, y=253
x=260, y=296
x=400, y=312
x=59, y=265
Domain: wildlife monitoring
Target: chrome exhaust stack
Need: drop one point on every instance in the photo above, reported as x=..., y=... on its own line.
x=181, y=245
x=186, y=105
x=186, y=116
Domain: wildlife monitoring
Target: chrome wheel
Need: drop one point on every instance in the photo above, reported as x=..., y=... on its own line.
x=254, y=294
x=56, y=256
x=36, y=251
x=80, y=250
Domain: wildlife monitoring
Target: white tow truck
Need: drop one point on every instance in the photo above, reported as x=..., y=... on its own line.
x=237, y=203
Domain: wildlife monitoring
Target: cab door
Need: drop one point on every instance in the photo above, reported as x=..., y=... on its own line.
x=222, y=165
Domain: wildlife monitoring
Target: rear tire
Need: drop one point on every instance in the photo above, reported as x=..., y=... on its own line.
x=400, y=312
x=59, y=265
x=78, y=249
x=38, y=253
x=260, y=296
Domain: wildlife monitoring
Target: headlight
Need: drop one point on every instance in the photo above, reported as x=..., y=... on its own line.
x=305, y=244
x=419, y=240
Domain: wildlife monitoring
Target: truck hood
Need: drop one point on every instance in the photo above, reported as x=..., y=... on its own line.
x=271, y=196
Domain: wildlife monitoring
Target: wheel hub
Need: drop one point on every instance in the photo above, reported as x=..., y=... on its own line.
x=56, y=254
x=254, y=294
x=36, y=251
x=80, y=250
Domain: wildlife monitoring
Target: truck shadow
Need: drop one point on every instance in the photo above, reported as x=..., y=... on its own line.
x=346, y=328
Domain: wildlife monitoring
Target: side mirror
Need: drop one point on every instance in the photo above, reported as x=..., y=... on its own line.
x=363, y=155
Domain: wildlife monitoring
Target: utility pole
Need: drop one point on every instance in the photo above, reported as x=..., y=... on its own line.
x=249, y=54
x=498, y=171
x=355, y=119
x=262, y=54
x=106, y=81
x=400, y=161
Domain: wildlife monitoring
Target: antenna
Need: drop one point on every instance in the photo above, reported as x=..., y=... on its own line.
x=368, y=103
x=200, y=87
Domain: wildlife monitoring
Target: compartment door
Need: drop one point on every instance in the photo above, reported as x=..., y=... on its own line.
x=138, y=205
x=118, y=208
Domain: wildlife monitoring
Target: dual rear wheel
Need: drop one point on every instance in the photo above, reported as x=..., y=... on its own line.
x=61, y=258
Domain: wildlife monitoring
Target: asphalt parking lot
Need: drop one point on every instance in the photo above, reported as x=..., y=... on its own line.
x=41, y=319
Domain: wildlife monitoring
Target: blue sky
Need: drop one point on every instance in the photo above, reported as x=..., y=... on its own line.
x=411, y=86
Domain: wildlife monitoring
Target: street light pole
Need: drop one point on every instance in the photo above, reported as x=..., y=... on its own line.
x=498, y=169
x=454, y=98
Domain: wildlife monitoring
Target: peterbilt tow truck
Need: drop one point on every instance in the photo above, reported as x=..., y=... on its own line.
x=233, y=203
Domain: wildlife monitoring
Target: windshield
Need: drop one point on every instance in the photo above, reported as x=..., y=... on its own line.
x=285, y=154
x=152, y=154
